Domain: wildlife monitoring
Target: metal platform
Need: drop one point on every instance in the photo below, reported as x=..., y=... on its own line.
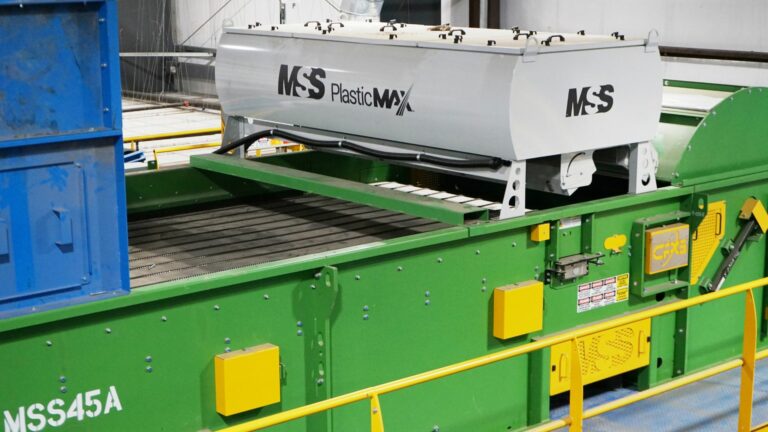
x=191, y=244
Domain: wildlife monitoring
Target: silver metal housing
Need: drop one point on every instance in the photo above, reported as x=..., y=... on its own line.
x=456, y=92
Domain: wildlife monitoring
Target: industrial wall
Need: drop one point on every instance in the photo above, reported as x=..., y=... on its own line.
x=200, y=26
x=718, y=24
x=145, y=26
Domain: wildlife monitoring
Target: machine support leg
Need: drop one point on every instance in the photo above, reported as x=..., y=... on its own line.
x=643, y=161
x=748, y=368
x=513, y=204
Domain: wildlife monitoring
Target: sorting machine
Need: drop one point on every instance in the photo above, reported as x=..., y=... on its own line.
x=466, y=191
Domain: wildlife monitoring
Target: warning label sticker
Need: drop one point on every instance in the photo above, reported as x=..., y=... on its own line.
x=603, y=292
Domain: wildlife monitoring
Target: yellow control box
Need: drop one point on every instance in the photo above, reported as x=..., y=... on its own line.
x=540, y=232
x=247, y=379
x=602, y=355
x=518, y=309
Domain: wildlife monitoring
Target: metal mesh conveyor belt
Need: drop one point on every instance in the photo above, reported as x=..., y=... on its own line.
x=201, y=242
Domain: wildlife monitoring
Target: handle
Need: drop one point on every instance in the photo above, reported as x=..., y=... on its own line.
x=442, y=36
x=617, y=35
x=274, y=28
x=527, y=35
x=65, y=226
x=548, y=40
x=642, y=341
x=517, y=30
x=563, y=365
x=581, y=32
x=330, y=26
x=318, y=25
x=450, y=33
x=5, y=248
x=458, y=38
x=392, y=36
x=388, y=25
x=257, y=24
x=491, y=42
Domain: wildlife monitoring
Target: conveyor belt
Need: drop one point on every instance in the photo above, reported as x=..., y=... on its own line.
x=207, y=241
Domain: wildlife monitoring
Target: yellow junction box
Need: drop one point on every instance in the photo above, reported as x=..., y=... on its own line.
x=247, y=379
x=518, y=309
x=602, y=355
x=540, y=232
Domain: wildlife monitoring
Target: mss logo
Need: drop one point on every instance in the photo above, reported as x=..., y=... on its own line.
x=589, y=100
x=288, y=83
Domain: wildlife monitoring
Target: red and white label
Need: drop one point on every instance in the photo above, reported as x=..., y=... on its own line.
x=602, y=292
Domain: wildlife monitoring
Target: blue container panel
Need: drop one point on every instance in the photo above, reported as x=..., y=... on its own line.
x=59, y=243
x=63, y=225
x=48, y=228
x=51, y=70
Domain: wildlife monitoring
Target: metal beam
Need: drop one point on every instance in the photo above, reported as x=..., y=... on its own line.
x=361, y=193
x=167, y=54
x=714, y=54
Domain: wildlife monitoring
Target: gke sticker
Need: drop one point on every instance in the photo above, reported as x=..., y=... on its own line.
x=56, y=412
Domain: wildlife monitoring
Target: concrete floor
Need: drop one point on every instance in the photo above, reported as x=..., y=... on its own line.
x=708, y=405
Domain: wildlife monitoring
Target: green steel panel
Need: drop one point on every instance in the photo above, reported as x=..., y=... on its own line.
x=702, y=85
x=389, y=310
x=340, y=188
x=690, y=156
x=153, y=191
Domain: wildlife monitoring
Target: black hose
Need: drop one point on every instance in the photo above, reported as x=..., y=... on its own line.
x=488, y=162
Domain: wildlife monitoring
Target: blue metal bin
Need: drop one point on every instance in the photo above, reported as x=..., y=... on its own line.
x=63, y=227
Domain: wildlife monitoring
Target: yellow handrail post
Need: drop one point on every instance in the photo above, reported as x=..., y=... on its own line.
x=748, y=367
x=576, y=410
x=377, y=418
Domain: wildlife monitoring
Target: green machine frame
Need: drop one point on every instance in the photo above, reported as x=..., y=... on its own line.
x=360, y=316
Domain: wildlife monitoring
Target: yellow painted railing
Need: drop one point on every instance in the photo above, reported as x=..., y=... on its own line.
x=135, y=140
x=577, y=414
x=174, y=149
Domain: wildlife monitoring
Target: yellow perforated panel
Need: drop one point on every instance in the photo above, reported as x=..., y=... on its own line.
x=602, y=355
x=707, y=239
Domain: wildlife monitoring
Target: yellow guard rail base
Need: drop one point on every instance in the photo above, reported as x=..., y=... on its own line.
x=577, y=414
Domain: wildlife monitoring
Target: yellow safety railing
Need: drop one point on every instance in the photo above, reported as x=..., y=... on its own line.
x=576, y=414
x=181, y=148
x=135, y=140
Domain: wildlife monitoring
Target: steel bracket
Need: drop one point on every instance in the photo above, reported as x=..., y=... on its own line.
x=513, y=204
x=652, y=42
x=643, y=163
x=531, y=50
x=574, y=266
x=318, y=301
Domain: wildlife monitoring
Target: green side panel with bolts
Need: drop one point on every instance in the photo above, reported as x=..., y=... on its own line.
x=727, y=140
x=353, y=317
